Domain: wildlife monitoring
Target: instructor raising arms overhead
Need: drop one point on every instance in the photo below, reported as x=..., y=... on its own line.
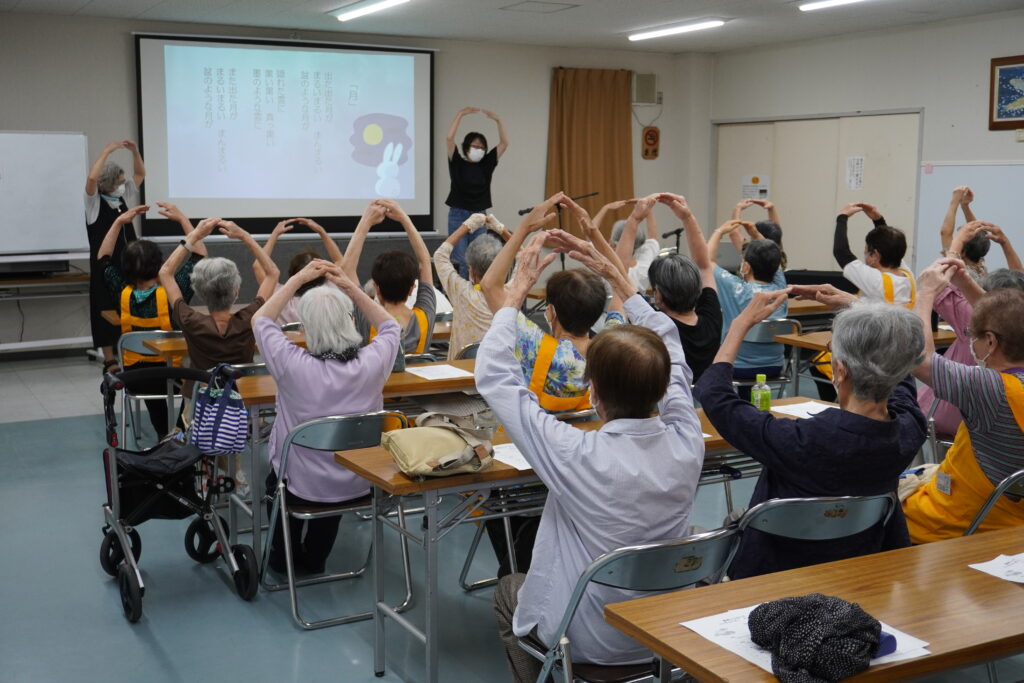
x=471, y=178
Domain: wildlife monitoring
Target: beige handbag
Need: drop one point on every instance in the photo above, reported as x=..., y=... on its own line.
x=440, y=445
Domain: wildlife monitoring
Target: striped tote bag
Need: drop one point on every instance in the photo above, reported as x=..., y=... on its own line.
x=220, y=421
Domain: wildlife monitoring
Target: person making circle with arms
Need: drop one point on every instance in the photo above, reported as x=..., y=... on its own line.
x=471, y=179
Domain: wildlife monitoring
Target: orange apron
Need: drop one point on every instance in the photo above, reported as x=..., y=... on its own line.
x=421, y=319
x=933, y=515
x=133, y=323
x=555, y=404
x=823, y=361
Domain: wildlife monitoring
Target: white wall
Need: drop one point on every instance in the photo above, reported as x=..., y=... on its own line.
x=78, y=74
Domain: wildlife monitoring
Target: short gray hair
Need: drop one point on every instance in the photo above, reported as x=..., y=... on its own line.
x=217, y=281
x=481, y=253
x=879, y=344
x=678, y=279
x=326, y=315
x=641, y=234
x=107, y=182
x=1004, y=278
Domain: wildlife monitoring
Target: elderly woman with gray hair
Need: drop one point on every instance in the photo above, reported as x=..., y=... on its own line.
x=859, y=448
x=334, y=375
x=220, y=336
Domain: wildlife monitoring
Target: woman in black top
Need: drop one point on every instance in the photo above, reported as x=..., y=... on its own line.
x=105, y=189
x=471, y=179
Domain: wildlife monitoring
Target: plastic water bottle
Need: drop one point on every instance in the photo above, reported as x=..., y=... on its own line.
x=761, y=394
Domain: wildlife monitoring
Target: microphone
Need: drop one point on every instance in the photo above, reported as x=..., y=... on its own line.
x=672, y=233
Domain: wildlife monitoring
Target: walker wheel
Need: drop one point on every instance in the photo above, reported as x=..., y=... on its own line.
x=247, y=578
x=111, y=554
x=131, y=593
x=200, y=541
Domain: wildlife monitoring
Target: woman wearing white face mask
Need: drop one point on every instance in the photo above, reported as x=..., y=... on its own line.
x=471, y=179
x=105, y=190
x=989, y=444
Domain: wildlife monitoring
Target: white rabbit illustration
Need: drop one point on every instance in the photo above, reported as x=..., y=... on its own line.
x=387, y=171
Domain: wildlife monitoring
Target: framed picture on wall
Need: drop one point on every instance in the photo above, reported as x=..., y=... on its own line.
x=1006, y=94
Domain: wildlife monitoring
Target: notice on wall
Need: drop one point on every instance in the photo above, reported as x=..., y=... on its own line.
x=755, y=187
x=854, y=173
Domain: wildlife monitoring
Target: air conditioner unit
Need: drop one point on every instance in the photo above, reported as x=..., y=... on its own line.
x=645, y=88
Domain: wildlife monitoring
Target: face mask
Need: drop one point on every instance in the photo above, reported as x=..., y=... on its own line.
x=118, y=191
x=140, y=295
x=980, y=362
x=476, y=154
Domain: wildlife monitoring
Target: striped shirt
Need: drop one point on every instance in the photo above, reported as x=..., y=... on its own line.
x=979, y=393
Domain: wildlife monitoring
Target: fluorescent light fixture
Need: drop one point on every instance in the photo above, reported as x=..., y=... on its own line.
x=825, y=4
x=361, y=9
x=672, y=30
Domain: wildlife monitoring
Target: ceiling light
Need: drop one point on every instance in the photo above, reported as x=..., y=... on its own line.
x=825, y=4
x=364, y=7
x=672, y=30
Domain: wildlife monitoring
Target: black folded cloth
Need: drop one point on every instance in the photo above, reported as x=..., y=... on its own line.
x=815, y=638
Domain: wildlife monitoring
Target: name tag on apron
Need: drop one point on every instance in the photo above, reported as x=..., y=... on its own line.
x=944, y=483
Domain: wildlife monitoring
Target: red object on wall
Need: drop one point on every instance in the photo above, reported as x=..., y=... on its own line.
x=651, y=138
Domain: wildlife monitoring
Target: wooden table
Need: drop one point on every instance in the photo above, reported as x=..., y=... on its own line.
x=442, y=330
x=799, y=307
x=928, y=591
x=176, y=348
x=377, y=466
x=113, y=316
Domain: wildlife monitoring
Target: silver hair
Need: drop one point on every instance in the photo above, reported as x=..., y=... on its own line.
x=107, y=182
x=641, y=234
x=217, y=281
x=326, y=315
x=678, y=279
x=1004, y=278
x=879, y=344
x=481, y=253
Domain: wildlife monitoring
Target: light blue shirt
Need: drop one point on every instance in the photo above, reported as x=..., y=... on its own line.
x=735, y=293
x=631, y=482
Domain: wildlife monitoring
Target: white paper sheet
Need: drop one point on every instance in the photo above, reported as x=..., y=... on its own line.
x=1007, y=567
x=729, y=630
x=438, y=371
x=510, y=455
x=805, y=409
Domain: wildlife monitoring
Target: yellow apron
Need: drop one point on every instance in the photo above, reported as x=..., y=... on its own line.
x=421, y=318
x=823, y=361
x=556, y=404
x=133, y=323
x=933, y=515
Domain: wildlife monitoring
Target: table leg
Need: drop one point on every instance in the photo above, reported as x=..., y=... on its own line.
x=430, y=585
x=378, y=582
x=255, y=483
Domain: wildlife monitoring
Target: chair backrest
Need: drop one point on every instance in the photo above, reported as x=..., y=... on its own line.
x=340, y=432
x=765, y=331
x=1013, y=484
x=250, y=369
x=819, y=519
x=468, y=351
x=576, y=415
x=132, y=341
x=412, y=358
x=443, y=317
x=668, y=251
x=292, y=327
x=661, y=566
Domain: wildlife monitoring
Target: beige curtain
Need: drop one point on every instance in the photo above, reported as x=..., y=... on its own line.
x=590, y=138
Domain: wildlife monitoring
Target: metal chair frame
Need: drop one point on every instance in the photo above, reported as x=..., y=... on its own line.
x=819, y=519
x=468, y=351
x=934, y=442
x=413, y=358
x=293, y=327
x=653, y=567
x=333, y=433
x=1012, y=484
x=765, y=332
x=133, y=341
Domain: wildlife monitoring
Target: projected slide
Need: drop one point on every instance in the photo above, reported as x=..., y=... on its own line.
x=254, y=129
x=272, y=123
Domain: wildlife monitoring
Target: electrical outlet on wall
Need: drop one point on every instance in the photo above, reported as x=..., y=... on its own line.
x=1020, y=134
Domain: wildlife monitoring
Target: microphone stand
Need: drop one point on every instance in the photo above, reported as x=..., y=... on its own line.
x=678, y=232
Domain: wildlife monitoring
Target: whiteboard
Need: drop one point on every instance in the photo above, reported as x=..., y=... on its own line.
x=997, y=197
x=42, y=185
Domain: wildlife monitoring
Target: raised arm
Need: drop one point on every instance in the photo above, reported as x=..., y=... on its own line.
x=168, y=210
x=593, y=233
x=193, y=241
x=502, y=137
x=110, y=239
x=281, y=228
x=271, y=274
x=966, y=204
x=97, y=166
x=603, y=212
x=492, y=283
x=726, y=228
x=373, y=215
x=453, y=129
x=841, y=241
x=276, y=303
x=773, y=213
x=740, y=207
x=965, y=234
x=695, y=242
x=374, y=313
x=394, y=211
x=996, y=234
x=138, y=168
x=333, y=252
x=760, y=307
x=930, y=283
x=949, y=220
x=641, y=210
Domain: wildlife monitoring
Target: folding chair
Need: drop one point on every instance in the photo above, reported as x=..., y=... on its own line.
x=653, y=567
x=764, y=333
x=934, y=442
x=292, y=327
x=468, y=351
x=133, y=341
x=819, y=519
x=413, y=358
x=1012, y=485
x=335, y=433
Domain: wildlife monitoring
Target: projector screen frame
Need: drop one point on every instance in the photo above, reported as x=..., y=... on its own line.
x=167, y=231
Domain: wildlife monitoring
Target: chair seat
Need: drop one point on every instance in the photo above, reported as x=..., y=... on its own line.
x=314, y=511
x=597, y=673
